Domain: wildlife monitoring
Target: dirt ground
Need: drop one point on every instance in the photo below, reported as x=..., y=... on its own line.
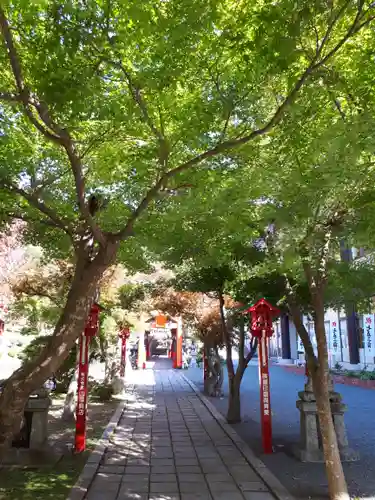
x=54, y=483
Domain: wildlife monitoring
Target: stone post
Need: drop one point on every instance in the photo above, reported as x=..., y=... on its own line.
x=310, y=446
x=38, y=404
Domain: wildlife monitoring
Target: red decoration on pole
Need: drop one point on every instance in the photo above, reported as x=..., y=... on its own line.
x=90, y=330
x=124, y=335
x=261, y=327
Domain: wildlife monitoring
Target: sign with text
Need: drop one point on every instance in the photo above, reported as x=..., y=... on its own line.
x=368, y=335
x=91, y=329
x=265, y=400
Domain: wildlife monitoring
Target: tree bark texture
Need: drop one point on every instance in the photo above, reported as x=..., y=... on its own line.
x=71, y=323
x=337, y=486
x=68, y=413
x=234, y=398
x=214, y=382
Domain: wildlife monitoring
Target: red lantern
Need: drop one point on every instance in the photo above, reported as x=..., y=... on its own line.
x=261, y=318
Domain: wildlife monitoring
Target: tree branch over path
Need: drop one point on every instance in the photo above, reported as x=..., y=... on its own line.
x=40, y=117
x=35, y=202
x=136, y=93
x=228, y=145
x=48, y=128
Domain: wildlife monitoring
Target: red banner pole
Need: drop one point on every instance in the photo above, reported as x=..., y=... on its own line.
x=123, y=355
x=83, y=369
x=90, y=330
x=174, y=348
x=178, y=359
x=265, y=401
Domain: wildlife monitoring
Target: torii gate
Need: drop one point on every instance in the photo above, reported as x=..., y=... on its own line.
x=160, y=325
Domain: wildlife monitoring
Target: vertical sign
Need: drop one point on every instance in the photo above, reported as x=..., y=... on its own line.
x=335, y=337
x=265, y=401
x=81, y=410
x=83, y=370
x=179, y=339
x=368, y=335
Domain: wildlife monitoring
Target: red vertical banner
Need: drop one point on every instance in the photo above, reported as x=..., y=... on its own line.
x=179, y=348
x=81, y=410
x=265, y=400
x=177, y=344
x=91, y=329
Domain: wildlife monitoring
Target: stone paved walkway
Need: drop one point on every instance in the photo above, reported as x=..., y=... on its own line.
x=168, y=446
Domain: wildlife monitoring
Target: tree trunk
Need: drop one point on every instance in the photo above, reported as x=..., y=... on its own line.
x=214, y=381
x=33, y=374
x=68, y=413
x=337, y=486
x=234, y=400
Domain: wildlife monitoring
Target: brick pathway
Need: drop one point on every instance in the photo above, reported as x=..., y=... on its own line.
x=168, y=446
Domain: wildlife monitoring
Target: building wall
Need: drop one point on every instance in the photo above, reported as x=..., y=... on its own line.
x=337, y=339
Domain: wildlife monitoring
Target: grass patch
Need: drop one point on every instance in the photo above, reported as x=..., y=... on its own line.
x=55, y=484
x=42, y=484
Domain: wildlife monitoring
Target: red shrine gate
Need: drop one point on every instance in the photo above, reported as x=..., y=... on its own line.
x=167, y=331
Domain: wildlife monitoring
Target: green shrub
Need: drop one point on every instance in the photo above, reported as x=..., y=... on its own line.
x=12, y=353
x=365, y=375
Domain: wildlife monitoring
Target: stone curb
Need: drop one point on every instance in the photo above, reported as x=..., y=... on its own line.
x=275, y=486
x=79, y=490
